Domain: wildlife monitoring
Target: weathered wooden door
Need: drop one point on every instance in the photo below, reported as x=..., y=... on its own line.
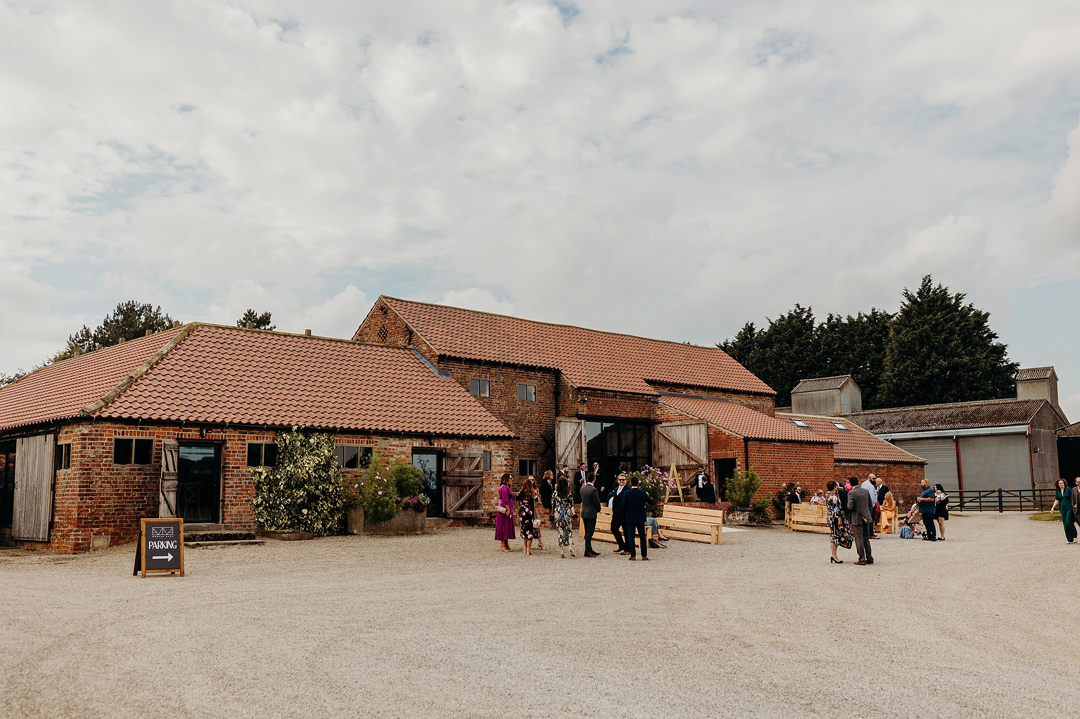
x=170, y=450
x=33, y=487
x=684, y=444
x=463, y=483
x=570, y=447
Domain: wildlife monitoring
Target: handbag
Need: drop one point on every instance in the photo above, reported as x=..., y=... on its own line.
x=502, y=510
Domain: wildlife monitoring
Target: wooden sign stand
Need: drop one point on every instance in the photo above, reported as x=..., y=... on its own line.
x=156, y=548
x=674, y=474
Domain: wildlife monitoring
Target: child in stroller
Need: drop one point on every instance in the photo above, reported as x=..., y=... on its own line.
x=911, y=523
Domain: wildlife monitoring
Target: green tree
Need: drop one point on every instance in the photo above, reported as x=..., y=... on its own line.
x=789, y=350
x=855, y=346
x=942, y=350
x=128, y=321
x=258, y=321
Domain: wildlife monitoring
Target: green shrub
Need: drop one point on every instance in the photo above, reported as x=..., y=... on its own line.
x=303, y=491
x=742, y=487
x=760, y=512
x=779, y=502
x=407, y=479
x=378, y=495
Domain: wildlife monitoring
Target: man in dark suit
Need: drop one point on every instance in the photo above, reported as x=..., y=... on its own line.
x=580, y=476
x=796, y=495
x=599, y=478
x=634, y=502
x=842, y=494
x=862, y=522
x=547, y=488
x=705, y=491
x=618, y=517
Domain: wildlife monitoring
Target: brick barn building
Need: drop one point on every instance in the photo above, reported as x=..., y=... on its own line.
x=172, y=421
x=572, y=394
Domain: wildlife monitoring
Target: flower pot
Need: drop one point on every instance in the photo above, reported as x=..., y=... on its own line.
x=354, y=520
x=404, y=522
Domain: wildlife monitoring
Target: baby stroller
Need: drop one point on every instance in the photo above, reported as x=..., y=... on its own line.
x=912, y=522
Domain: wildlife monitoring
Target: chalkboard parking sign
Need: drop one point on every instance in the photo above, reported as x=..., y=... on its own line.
x=161, y=547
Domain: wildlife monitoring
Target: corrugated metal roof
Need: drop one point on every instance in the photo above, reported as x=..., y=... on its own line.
x=960, y=415
x=588, y=358
x=855, y=444
x=820, y=383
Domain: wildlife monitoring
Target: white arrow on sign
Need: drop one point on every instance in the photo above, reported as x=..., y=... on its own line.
x=167, y=557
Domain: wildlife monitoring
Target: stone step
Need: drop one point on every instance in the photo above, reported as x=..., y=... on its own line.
x=223, y=543
x=216, y=535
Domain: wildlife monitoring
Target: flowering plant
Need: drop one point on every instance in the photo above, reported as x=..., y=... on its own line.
x=656, y=483
x=417, y=503
x=303, y=490
x=378, y=495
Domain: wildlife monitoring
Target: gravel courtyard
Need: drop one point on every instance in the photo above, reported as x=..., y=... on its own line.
x=984, y=623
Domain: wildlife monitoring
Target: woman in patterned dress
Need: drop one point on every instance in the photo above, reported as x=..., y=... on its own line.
x=527, y=513
x=562, y=504
x=504, y=520
x=839, y=529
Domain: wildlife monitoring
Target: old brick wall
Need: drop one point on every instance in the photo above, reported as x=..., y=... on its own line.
x=778, y=463
x=96, y=497
x=532, y=422
x=902, y=479
x=384, y=326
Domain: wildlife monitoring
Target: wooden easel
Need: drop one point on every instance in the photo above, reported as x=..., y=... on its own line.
x=674, y=474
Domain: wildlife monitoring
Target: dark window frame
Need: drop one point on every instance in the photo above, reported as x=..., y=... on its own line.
x=526, y=392
x=265, y=454
x=527, y=467
x=62, y=459
x=487, y=461
x=126, y=450
x=358, y=458
x=479, y=387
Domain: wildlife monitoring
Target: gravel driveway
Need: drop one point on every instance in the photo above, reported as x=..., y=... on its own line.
x=446, y=625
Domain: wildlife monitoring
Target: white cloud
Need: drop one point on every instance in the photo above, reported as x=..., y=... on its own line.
x=668, y=173
x=475, y=298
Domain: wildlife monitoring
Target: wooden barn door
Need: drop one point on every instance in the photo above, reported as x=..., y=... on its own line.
x=170, y=450
x=684, y=444
x=570, y=447
x=33, y=487
x=463, y=482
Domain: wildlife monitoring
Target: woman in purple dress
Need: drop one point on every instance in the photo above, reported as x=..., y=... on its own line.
x=504, y=519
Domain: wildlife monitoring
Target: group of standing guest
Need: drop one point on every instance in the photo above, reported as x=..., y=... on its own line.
x=559, y=496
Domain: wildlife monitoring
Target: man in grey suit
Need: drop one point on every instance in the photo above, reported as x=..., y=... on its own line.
x=861, y=510
x=590, y=507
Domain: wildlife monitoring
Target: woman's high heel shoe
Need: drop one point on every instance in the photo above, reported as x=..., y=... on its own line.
x=834, y=560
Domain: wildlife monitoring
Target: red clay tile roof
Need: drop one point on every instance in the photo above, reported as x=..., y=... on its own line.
x=959, y=415
x=855, y=444
x=588, y=358
x=820, y=383
x=226, y=374
x=741, y=420
x=62, y=389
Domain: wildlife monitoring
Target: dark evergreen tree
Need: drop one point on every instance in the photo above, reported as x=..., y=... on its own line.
x=128, y=321
x=942, y=350
x=258, y=322
x=855, y=346
x=781, y=355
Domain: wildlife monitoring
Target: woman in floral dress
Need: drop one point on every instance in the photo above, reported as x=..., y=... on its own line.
x=562, y=505
x=527, y=513
x=839, y=529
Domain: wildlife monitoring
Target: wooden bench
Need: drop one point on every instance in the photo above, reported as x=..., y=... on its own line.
x=693, y=524
x=603, y=527
x=808, y=518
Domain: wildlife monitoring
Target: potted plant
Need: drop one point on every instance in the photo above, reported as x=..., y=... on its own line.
x=740, y=493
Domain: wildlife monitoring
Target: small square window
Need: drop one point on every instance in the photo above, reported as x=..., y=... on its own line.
x=350, y=455
x=527, y=392
x=480, y=387
x=261, y=455
x=270, y=455
x=63, y=457
x=144, y=451
x=254, y=458
x=122, y=451
x=487, y=461
x=527, y=467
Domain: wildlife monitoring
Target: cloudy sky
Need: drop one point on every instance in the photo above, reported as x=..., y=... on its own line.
x=670, y=169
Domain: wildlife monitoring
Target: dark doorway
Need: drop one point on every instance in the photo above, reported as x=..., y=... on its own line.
x=7, y=484
x=198, y=490
x=430, y=465
x=618, y=446
x=723, y=470
x=1068, y=457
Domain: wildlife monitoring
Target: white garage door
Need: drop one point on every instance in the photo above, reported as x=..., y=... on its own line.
x=999, y=461
x=940, y=456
